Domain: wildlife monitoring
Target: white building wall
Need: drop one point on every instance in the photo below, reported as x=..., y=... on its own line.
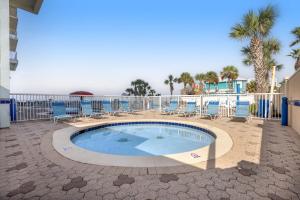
x=4, y=64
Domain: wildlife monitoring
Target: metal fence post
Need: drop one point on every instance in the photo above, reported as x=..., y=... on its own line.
x=159, y=103
x=228, y=106
x=200, y=108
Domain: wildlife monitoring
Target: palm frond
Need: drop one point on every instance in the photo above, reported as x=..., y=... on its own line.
x=294, y=43
x=272, y=62
x=271, y=46
x=239, y=32
x=279, y=67
x=251, y=22
x=200, y=77
x=295, y=53
x=246, y=51
x=247, y=62
x=296, y=32
x=267, y=18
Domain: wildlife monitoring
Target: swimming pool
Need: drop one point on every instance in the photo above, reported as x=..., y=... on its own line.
x=141, y=142
x=143, y=138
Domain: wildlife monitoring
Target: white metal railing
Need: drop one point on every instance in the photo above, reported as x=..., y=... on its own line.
x=26, y=107
x=262, y=105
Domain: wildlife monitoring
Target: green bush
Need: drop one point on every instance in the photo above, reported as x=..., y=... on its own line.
x=252, y=108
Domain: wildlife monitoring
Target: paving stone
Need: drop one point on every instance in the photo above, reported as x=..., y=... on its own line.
x=157, y=186
x=296, y=151
x=218, y=194
x=290, y=141
x=183, y=196
x=175, y=188
x=10, y=140
x=109, y=197
x=52, y=165
x=247, y=172
x=274, y=197
x=279, y=170
x=196, y=191
x=166, y=178
x=273, y=142
x=76, y=182
x=163, y=195
x=14, y=154
x=123, y=179
x=127, y=190
x=17, y=167
x=275, y=152
x=24, y=188
x=12, y=146
x=234, y=195
x=90, y=195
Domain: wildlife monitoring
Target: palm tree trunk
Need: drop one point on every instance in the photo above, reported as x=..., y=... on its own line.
x=261, y=72
x=297, y=64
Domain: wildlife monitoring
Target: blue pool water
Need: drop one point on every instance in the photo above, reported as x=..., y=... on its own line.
x=143, y=139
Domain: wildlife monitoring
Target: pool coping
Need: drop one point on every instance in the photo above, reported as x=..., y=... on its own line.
x=63, y=145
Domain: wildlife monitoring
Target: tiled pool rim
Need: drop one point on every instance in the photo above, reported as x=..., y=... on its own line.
x=62, y=143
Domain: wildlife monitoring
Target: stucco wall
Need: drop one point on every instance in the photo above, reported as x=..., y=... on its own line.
x=293, y=93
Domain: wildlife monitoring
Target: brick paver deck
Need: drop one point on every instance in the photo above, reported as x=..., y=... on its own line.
x=264, y=163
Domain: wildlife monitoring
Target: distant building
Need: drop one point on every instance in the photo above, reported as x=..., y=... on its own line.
x=224, y=86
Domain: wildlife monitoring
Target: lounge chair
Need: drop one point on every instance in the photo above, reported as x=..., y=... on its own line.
x=87, y=109
x=213, y=109
x=189, y=109
x=107, y=107
x=125, y=107
x=242, y=110
x=59, y=111
x=172, y=108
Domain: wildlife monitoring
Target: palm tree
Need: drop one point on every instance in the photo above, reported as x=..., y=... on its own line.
x=251, y=87
x=140, y=88
x=212, y=78
x=186, y=79
x=296, y=33
x=271, y=47
x=296, y=52
x=256, y=27
x=202, y=79
x=230, y=73
x=152, y=92
x=129, y=91
x=170, y=81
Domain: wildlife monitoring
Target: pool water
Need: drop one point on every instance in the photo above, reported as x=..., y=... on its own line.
x=143, y=139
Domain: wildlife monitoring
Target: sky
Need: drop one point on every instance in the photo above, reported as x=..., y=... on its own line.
x=101, y=46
